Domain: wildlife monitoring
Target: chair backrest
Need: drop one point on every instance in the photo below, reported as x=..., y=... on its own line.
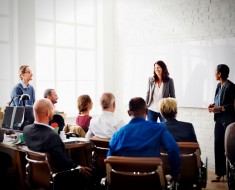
x=134, y=173
x=40, y=173
x=190, y=162
x=57, y=118
x=39, y=170
x=100, y=147
x=230, y=143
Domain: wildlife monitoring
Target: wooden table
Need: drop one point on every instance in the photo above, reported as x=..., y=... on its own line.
x=19, y=161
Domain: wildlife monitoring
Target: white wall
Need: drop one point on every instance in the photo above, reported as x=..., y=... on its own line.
x=150, y=30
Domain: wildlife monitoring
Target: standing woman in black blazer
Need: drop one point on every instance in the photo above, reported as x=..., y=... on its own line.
x=224, y=114
x=159, y=86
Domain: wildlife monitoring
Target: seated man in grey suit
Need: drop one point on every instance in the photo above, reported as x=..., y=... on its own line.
x=181, y=131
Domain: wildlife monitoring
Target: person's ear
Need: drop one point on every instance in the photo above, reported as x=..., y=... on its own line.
x=48, y=113
x=146, y=111
x=129, y=113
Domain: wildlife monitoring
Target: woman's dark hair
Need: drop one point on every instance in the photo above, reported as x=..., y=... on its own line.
x=223, y=70
x=165, y=73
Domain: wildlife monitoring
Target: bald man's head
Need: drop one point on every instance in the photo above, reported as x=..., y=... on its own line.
x=43, y=110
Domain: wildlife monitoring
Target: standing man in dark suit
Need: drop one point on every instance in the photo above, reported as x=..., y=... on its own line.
x=181, y=131
x=42, y=138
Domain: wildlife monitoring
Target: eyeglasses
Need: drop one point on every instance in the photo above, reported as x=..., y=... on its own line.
x=30, y=72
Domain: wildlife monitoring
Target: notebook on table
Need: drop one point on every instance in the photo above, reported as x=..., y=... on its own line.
x=69, y=141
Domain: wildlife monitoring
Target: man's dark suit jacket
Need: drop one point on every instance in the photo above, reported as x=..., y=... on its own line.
x=181, y=131
x=42, y=138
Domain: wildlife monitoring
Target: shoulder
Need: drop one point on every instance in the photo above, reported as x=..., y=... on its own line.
x=170, y=80
x=186, y=123
x=155, y=125
x=27, y=127
x=17, y=87
x=31, y=87
x=231, y=84
x=151, y=79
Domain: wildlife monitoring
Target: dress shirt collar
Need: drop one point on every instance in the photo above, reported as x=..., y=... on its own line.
x=24, y=85
x=107, y=112
x=37, y=123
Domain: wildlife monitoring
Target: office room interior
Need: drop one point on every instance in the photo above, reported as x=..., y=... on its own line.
x=95, y=46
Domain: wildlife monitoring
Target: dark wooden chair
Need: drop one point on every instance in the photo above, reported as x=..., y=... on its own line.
x=40, y=173
x=134, y=173
x=38, y=169
x=100, y=148
x=230, y=156
x=193, y=173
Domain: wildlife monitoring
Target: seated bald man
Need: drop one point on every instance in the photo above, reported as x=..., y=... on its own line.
x=41, y=137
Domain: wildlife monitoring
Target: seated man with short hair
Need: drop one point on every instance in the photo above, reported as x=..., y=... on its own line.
x=51, y=94
x=141, y=138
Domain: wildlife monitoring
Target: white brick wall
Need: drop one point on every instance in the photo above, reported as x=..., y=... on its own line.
x=145, y=23
x=203, y=123
x=153, y=21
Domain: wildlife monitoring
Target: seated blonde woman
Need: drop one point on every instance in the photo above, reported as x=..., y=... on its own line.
x=181, y=131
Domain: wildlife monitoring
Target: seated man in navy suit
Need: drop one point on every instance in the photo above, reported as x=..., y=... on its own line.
x=181, y=131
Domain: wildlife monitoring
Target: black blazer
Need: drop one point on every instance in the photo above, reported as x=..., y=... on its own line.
x=181, y=131
x=227, y=100
x=41, y=138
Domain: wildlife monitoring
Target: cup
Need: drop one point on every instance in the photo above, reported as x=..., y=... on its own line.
x=62, y=135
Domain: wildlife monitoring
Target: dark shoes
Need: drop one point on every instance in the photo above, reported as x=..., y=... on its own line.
x=219, y=179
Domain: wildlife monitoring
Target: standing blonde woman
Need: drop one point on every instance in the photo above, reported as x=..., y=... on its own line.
x=159, y=86
x=23, y=87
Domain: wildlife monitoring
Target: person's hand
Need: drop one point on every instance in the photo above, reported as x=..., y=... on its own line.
x=211, y=107
x=85, y=170
x=216, y=109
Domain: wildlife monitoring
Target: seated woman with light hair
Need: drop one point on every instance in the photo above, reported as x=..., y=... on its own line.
x=181, y=131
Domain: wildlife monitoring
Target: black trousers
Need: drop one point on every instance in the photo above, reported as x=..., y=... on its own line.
x=219, y=150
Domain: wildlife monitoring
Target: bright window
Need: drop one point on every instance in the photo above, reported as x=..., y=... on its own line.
x=66, y=50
